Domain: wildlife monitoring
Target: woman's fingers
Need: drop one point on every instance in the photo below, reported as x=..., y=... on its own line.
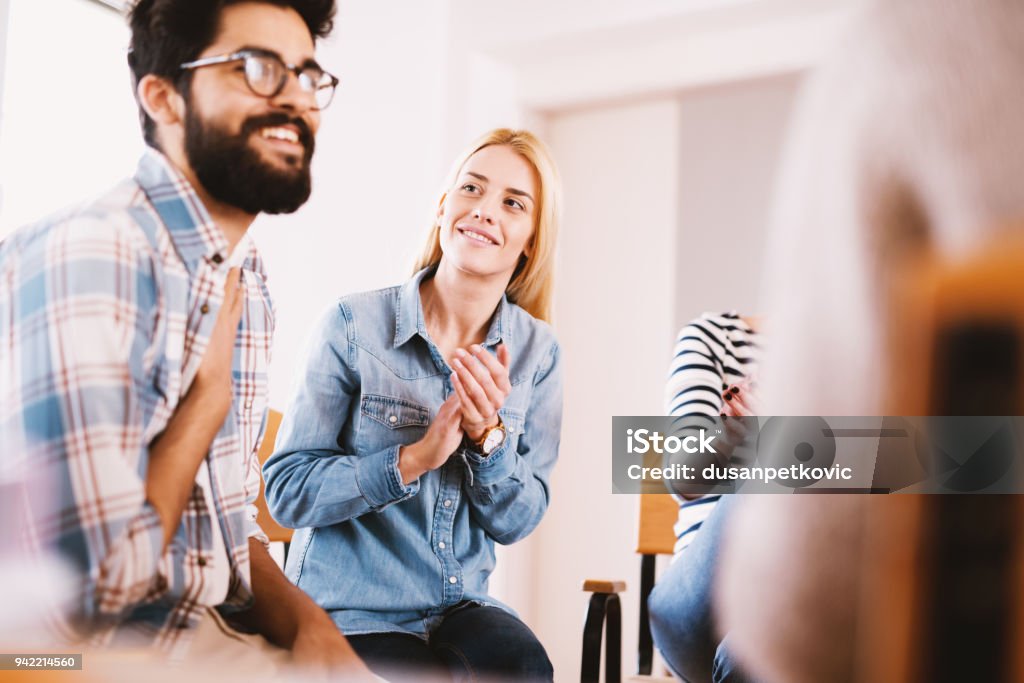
x=748, y=399
x=469, y=408
x=504, y=357
x=450, y=414
x=477, y=380
x=497, y=367
x=736, y=402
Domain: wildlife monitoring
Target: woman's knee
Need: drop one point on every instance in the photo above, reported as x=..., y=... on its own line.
x=669, y=611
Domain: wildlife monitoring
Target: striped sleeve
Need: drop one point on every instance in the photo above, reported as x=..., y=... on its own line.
x=704, y=361
x=695, y=380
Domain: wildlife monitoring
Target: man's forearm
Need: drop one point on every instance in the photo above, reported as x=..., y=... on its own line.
x=175, y=456
x=279, y=607
x=289, y=618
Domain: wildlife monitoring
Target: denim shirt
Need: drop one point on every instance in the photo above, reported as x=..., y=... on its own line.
x=378, y=555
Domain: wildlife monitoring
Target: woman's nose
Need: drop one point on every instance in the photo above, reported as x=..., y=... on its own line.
x=481, y=213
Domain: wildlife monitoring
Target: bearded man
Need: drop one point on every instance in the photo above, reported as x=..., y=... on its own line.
x=136, y=336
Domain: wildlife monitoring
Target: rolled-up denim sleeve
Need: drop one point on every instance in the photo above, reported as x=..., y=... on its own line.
x=310, y=480
x=510, y=490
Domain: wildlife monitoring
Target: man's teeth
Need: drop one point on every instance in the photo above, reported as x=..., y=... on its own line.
x=285, y=134
x=478, y=237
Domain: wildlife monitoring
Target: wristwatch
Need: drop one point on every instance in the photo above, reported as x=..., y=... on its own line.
x=490, y=439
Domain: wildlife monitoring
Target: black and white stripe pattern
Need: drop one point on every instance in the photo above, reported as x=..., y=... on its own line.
x=711, y=353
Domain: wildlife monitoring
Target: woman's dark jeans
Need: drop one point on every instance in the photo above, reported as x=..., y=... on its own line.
x=473, y=643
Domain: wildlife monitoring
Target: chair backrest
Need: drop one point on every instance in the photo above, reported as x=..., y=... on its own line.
x=274, y=531
x=956, y=347
x=655, y=535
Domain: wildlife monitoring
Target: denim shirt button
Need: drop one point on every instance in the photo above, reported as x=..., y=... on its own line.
x=452, y=579
x=441, y=545
x=447, y=503
x=393, y=419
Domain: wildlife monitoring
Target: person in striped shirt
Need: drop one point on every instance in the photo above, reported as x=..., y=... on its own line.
x=136, y=334
x=713, y=374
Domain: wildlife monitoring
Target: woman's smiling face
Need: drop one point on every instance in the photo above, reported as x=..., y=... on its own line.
x=487, y=218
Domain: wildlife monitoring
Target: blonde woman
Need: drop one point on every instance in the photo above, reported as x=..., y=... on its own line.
x=424, y=429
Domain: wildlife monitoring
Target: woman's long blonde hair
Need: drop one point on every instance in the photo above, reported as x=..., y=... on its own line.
x=532, y=283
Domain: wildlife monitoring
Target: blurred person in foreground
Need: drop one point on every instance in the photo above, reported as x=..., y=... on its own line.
x=136, y=334
x=909, y=137
x=424, y=428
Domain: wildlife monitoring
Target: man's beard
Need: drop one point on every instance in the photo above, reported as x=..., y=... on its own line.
x=232, y=172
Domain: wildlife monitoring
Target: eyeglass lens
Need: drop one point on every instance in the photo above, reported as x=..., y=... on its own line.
x=266, y=76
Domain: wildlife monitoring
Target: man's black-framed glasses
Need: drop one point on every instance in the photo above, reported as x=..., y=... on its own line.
x=266, y=74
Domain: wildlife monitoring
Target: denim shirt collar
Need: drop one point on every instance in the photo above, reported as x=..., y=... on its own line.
x=409, y=318
x=193, y=232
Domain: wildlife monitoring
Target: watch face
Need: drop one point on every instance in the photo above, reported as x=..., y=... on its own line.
x=493, y=440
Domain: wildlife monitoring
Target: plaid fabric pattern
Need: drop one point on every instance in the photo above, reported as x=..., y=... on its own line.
x=105, y=313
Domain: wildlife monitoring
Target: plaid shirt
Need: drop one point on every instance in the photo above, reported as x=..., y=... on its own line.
x=105, y=312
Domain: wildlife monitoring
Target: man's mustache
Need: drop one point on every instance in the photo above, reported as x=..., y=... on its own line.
x=306, y=137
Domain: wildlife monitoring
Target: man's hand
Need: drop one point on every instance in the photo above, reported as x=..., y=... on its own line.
x=320, y=648
x=441, y=440
x=213, y=379
x=288, y=618
x=175, y=455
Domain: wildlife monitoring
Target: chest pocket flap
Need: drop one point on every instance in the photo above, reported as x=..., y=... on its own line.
x=394, y=413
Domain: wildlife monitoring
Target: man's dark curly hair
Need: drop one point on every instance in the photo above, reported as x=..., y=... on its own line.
x=168, y=33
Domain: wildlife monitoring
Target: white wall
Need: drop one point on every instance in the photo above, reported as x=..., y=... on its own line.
x=70, y=127
x=730, y=141
x=616, y=273
x=4, y=7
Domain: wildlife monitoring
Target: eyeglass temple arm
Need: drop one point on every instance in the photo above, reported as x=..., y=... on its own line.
x=207, y=61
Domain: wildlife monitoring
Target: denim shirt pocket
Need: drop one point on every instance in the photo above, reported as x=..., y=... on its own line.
x=389, y=421
x=394, y=413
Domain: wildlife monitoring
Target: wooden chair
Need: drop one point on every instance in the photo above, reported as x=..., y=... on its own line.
x=956, y=347
x=274, y=531
x=655, y=536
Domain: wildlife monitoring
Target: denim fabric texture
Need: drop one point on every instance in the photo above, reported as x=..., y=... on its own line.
x=682, y=622
x=378, y=555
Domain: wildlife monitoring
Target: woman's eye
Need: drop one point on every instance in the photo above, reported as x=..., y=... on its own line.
x=470, y=187
x=515, y=203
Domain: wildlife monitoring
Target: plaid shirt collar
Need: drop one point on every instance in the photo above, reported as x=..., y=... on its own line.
x=193, y=232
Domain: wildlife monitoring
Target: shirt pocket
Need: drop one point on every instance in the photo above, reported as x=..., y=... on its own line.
x=388, y=421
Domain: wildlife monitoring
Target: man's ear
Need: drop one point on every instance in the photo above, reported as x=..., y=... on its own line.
x=161, y=100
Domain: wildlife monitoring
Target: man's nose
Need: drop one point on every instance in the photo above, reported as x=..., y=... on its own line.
x=294, y=98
